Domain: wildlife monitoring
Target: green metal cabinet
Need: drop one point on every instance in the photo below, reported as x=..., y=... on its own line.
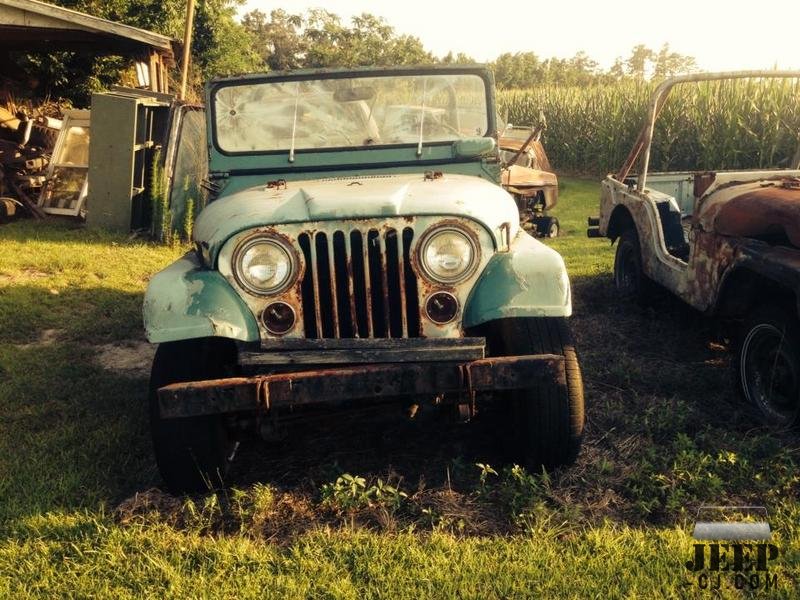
x=126, y=130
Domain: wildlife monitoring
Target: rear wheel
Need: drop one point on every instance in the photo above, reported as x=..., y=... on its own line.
x=629, y=278
x=193, y=453
x=542, y=424
x=768, y=365
x=547, y=227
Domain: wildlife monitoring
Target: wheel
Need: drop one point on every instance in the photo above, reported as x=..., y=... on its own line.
x=547, y=227
x=192, y=453
x=553, y=229
x=629, y=278
x=542, y=426
x=768, y=365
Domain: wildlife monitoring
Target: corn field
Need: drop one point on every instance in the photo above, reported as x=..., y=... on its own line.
x=742, y=124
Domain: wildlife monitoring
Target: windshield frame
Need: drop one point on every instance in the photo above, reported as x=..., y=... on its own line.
x=321, y=74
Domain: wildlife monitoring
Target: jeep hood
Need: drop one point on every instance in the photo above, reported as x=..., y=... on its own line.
x=754, y=209
x=348, y=198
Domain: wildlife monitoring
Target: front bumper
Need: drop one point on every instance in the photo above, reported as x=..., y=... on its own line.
x=374, y=382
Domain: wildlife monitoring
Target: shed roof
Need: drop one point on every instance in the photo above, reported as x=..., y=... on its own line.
x=32, y=25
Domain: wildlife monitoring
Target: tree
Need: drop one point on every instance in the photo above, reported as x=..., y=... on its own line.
x=671, y=63
x=320, y=39
x=277, y=39
x=644, y=61
x=518, y=70
x=638, y=61
x=458, y=59
x=221, y=45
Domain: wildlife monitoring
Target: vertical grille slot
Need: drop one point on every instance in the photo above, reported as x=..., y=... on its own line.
x=359, y=284
x=307, y=290
x=361, y=281
x=411, y=291
x=376, y=276
x=343, y=284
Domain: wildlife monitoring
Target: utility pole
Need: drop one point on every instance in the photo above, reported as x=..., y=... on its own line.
x=187, y=47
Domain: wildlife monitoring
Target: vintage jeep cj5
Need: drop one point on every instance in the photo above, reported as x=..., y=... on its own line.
x=359, y=250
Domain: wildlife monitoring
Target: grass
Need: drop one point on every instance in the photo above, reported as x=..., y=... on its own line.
x=355, y=509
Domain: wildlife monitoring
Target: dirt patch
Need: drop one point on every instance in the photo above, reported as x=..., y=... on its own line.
x=24, y=274
x=47, y=337
x=132, y=358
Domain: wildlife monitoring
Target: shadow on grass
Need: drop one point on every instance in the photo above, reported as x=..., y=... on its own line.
x=662, y=420
x=72, y=433
x=89, y=314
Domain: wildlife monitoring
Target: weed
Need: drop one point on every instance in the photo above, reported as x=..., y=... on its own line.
x=485, y=471
x=346, y=493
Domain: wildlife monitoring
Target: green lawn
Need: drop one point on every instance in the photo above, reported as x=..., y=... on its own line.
x=79, y=515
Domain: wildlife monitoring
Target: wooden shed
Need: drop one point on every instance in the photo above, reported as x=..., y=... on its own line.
x=31, y=26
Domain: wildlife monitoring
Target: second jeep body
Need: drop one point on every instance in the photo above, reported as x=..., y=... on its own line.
x=725, y=242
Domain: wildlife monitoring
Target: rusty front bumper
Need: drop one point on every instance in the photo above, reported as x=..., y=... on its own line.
x=375, y=382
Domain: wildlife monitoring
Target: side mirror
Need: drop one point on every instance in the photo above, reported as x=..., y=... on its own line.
x=473, y=147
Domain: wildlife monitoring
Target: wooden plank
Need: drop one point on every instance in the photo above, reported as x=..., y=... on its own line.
x=153, y=71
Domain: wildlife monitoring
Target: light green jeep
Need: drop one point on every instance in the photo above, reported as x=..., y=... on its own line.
x=358, y=250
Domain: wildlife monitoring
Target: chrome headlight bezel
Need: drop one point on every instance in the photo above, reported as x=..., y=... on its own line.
x=245, y=245
x=430, y=235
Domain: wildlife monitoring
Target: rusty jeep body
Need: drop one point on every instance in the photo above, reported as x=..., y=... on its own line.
x=358, y=251
x=529, y=178
x=726, y=243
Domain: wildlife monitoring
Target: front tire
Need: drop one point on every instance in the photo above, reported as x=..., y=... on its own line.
x=543, y=424
x=768, y=365
x=630, y=280
x=192, y=453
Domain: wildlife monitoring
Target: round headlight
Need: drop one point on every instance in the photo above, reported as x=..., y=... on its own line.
x=448, y=255
x=264, y=266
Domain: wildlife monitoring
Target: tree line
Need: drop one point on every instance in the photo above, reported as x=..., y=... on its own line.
x=319, y=38
x=223, y=44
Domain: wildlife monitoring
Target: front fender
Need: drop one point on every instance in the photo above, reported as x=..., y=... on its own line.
x=186, y=301
x=530, y=280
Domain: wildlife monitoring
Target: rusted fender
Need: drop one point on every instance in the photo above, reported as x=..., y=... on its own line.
x=186, y=301
x=528, y=281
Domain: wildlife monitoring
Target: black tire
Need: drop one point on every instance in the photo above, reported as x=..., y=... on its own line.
x=542, y=426
x=547, y=227
x=629, y=277
x=768, y=365
x=192, y=453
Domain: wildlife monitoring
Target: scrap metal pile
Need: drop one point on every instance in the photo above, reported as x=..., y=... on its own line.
x=27, y=139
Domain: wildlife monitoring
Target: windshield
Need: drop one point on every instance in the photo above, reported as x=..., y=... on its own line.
x=349, y=112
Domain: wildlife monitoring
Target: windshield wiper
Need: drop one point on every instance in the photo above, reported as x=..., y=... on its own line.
x=422, y=115
x=294, y=123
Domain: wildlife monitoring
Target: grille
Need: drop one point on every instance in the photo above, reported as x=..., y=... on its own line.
x=359, y=284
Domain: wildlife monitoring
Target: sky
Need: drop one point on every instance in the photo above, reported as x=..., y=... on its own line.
x=721, y=35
